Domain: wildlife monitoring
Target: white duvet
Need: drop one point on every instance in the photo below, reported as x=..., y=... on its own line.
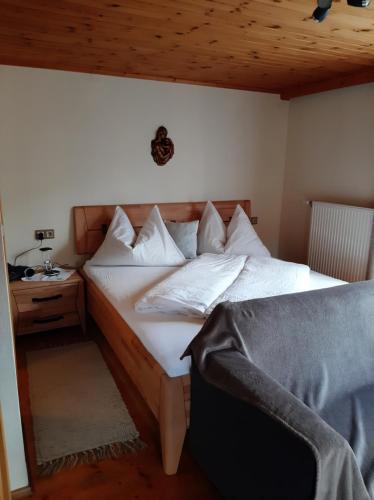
x=196, y=288
x=192, y=288
x=265, y=277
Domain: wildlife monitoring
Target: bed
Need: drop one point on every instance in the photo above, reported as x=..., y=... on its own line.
x=148, y=346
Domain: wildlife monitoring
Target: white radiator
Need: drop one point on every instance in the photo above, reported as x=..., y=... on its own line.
x=340, y=240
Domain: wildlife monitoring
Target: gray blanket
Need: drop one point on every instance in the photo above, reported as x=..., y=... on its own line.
x=306, y=360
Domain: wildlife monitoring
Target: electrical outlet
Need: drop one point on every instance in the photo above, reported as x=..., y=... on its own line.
x=48, y=234
x=254, y=220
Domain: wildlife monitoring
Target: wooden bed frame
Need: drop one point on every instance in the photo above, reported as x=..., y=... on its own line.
x=168, y=398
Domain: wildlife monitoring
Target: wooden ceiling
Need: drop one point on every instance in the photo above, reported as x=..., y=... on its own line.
x=267, y=45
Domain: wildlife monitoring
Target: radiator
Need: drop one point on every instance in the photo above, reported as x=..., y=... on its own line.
x=340, y=240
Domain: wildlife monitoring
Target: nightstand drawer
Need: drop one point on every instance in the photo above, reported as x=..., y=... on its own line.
x=46, y=305
x=51, y=300
x=33, y=322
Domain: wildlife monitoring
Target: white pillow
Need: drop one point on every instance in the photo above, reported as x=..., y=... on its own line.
x=211, y=235
x=239, y=239
x=153, y=247
x=242, y=239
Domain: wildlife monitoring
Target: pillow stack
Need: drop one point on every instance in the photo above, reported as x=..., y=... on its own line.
x=170, y=245
x=153, y=247
x=238, y=239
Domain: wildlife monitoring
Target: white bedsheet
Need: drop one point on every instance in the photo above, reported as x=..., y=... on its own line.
x=165, y=337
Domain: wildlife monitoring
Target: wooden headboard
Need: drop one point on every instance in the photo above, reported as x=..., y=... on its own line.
x=91, y=222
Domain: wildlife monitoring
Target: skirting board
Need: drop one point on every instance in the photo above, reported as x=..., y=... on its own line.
x=21, y=493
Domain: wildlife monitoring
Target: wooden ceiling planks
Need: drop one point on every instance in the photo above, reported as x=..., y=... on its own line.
x=266, y=45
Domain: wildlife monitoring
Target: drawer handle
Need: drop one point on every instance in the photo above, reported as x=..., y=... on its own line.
x=50, y=319
x=46, y=299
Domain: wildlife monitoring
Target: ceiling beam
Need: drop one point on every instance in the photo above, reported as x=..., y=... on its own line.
x=338, y=82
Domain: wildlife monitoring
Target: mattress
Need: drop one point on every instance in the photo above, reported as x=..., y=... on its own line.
x=164, y=336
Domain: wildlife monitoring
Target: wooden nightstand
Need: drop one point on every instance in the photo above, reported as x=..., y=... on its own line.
x=46, y=305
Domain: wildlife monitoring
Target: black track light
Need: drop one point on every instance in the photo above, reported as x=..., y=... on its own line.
x=359, y=3
x=324, y=6
x=320, y=14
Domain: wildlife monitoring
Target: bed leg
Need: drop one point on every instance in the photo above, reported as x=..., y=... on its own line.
x=173, y=423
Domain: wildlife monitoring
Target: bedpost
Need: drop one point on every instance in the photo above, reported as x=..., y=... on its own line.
x=173, y=422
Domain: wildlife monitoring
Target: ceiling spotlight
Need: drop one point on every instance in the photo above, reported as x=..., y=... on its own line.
x=320, y=14
x=322, y=10
x=324, y=6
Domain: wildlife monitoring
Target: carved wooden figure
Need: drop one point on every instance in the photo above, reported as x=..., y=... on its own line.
x=162, y=147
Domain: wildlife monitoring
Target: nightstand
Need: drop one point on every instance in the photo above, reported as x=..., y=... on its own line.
x=46, y=305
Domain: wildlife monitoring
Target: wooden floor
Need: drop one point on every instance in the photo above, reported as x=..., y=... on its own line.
x=134, y=476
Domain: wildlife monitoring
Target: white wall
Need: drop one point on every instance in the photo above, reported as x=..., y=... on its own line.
x=330, y=157
x=8, y=386
x=68, y=139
